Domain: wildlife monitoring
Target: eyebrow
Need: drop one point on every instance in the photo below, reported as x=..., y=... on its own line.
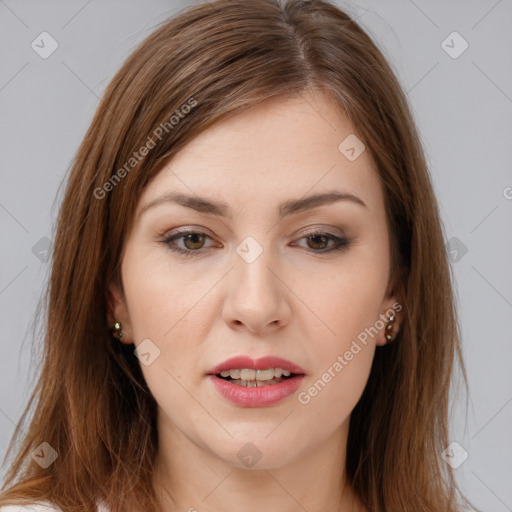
x=290, y=207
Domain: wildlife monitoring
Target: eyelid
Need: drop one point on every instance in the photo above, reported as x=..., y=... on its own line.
x=307, y=230
x=321, y=229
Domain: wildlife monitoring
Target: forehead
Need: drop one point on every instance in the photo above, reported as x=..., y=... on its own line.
x=275, y=150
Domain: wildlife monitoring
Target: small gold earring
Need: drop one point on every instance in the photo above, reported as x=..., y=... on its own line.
x=116, y=331
x=389, y=328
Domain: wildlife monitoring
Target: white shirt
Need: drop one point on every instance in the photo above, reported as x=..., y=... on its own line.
x=26, y=508
x=40, y=507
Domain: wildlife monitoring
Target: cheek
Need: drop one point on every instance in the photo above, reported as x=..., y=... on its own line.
x=169, y=308
x=346, y=358
x=345, y=341
x=346, y=306
x=169, y=319
x=330, y=395
x=161, y=299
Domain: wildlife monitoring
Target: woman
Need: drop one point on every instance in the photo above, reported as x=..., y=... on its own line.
x=250, y=303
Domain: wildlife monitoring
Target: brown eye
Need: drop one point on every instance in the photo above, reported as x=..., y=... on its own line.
x=319, y=241
x=193, y=241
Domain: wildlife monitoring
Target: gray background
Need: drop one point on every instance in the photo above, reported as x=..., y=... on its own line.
x=463, y=109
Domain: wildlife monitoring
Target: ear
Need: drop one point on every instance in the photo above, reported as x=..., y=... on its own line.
x=392, y=306
x=117, y=311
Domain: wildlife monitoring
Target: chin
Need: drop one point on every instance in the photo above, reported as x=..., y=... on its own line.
x=257, y=453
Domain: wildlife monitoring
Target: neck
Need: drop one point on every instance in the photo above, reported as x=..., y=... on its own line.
x=190, y=478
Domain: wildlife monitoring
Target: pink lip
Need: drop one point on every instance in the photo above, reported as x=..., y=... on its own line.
x=262, y=363
x=262, y=396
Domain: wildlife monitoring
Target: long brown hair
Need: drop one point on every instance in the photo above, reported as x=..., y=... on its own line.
x=91, y=403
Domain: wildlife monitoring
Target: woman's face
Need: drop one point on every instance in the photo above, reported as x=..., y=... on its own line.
x=254, y=280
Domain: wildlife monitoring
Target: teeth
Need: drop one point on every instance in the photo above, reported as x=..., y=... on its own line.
x=234, y=374
x=255, y=383
x=249, y=375
x=265, y=374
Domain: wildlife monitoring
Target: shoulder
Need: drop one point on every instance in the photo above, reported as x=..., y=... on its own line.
x=42, y=506
x=36, y=507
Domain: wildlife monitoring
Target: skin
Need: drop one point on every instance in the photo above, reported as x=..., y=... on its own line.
x=305, y=306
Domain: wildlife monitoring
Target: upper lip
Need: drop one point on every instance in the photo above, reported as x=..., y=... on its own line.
x=263, y=363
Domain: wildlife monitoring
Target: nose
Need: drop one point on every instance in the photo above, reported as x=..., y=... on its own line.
x=256, y=296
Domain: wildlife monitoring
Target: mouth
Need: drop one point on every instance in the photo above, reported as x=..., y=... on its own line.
x=256, y=383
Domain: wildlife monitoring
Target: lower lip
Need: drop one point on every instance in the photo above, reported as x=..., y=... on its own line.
x=261, y=396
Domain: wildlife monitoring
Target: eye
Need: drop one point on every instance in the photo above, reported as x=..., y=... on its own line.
x=319, y=240
x=194, y=242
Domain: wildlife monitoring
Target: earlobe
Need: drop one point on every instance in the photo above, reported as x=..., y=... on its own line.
x=117, y=314
x=390, y=332
x=392, y=319
x=393, y=308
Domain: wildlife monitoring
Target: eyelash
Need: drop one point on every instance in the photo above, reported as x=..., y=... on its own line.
x=341, y=243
